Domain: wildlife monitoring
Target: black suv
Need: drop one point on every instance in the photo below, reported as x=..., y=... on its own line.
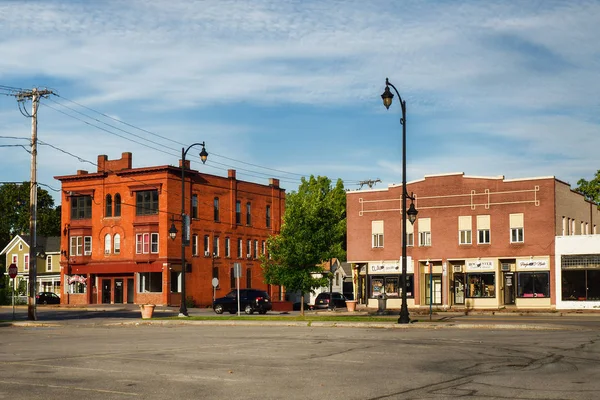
x=322, y=300
x=250, y=300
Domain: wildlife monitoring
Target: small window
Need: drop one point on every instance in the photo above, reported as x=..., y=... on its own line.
x=410, y=239
x=194, y=244
x=516, y=228
x=154, y=243
x=108, y=205
x=206, y=244
x=87, y=245
x=227, y=247
x=117, y=244
x=268, y=216
x=483, y=236
x=238, y=212
x=216, y=246
x=107, y=243
x=424, y=238
x=248, y=214
x=376, y=234
x=465, y=237
x=240, y=248
x=48, y=263
x=424, y=231
x=194, y=206
x=26, y=262
x=516, y=235
x=117, y=205
x=216, y=209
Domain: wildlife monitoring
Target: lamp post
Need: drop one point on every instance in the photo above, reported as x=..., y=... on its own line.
x=387, y=97
x=184, y=220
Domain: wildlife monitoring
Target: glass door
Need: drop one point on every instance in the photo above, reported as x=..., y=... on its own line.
x=459, y=288
x=509, y=288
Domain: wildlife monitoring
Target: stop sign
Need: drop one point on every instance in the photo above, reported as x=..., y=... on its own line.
x=13, y=270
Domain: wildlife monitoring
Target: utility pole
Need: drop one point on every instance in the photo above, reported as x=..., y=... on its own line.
x=369, y=182
x=35, y=96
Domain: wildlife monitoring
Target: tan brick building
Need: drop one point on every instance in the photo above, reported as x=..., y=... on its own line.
x=488, y=242
x=116, y=246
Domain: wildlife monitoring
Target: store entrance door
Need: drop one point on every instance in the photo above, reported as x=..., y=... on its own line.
x=106, y=291
x=118, y=291
x=509, y=288
x=459, y=288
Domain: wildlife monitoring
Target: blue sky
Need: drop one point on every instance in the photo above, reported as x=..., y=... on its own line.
x=286, y=89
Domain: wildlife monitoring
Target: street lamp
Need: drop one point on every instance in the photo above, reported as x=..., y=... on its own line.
x=387, y=97
x=185, y=232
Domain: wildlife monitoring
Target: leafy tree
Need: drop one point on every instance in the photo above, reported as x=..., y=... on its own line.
x=313, y=230
x=14, y=208
x=590, y=189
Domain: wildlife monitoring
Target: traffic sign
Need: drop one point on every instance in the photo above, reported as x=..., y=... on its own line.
x=13, y=270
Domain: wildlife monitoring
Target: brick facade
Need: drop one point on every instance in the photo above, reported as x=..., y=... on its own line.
x=147, y=267
x=494, y=273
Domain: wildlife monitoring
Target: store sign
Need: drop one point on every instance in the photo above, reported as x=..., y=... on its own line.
x=390, y=267
x=533, y=264
x=480, y=265
x=77, y=278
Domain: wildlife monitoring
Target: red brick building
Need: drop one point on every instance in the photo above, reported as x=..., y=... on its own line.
x=477, y=242
x=116, y=247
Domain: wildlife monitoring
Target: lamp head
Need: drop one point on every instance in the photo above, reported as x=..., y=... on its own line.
x=412, y=213
x=387, y=97
x=172, y=231
x=203, y=154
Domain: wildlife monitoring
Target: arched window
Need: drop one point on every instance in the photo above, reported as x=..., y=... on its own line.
x=117, y=205
x=108, y=204
x=216, y=209
x=117, y=244
x=107, y=244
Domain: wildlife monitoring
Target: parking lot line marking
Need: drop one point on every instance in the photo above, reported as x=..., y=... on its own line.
x=12, y=382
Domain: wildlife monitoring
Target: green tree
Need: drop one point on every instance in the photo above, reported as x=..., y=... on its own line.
x=590, y=189
x=313, y=231
x=14, y=208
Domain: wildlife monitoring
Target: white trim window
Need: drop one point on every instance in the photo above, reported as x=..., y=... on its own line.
x=107, y=243
x=26, y=262
x=424, y=225
x=154, y=243
x=410, y=233
x=376, y=234
x=87, y=245
x=48, y=263
x=117, y=244
x=465, y=230
x=483, y=229
x=227, y=247
x=76, y=246
x=516, y=228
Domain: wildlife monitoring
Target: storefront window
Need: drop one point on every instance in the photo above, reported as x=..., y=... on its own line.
x=391, y=285
x=533, y=284
x=481, y=285
x=581, y=285
x=150, y=282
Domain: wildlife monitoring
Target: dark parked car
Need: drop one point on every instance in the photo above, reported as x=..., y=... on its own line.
x=322, y=300
x=251, y=300
x=47, y=298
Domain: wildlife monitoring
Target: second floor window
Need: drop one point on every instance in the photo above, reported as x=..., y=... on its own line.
x=146, y=243
x=194, y=244
x=227, y=247
x=268, y=216
x=216, y=246
x=117, y=244
x=48, y=263
x=240, y=249
x=206, y=244
x=146, y=202
x=81, y=207
x=377, y=234
x=107, y=243
x=108, y=203
x=248, y=214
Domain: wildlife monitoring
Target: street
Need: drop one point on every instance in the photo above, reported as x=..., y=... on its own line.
x=108, y=359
